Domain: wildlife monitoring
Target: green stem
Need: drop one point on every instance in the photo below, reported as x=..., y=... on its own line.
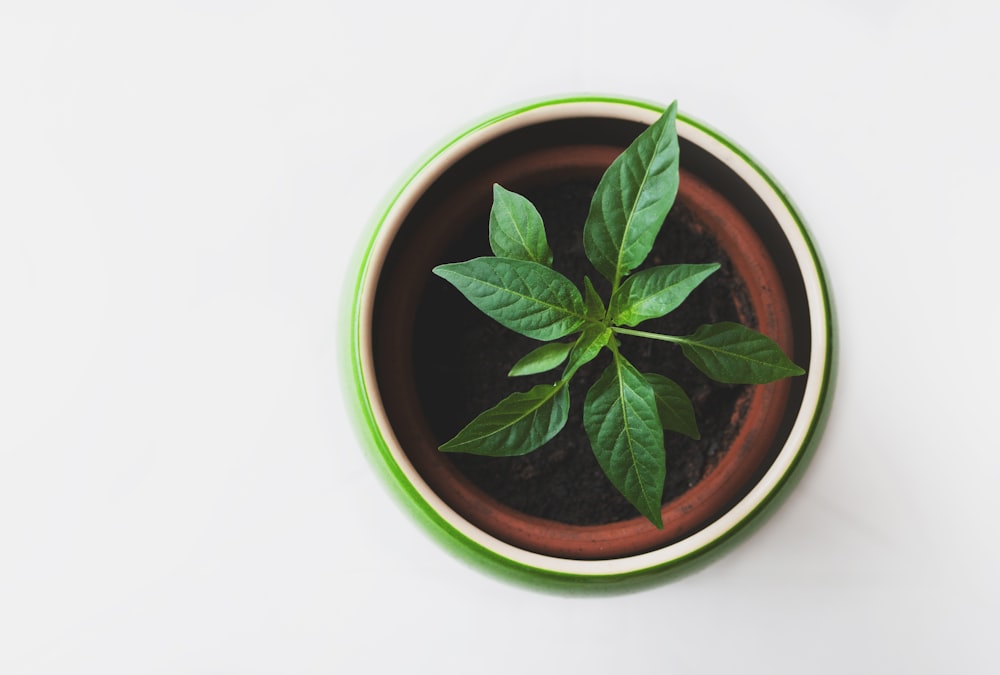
x=612, y=345
x=651, y=336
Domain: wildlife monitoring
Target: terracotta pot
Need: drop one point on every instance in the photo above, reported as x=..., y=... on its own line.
x=782, y=294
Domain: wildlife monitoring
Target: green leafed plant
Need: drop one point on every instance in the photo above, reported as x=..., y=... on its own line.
x=625, y=411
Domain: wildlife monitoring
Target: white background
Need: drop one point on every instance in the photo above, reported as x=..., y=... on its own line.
x=182, y=188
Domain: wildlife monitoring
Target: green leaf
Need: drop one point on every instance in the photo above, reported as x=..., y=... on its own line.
x=588, y=346
x=524, y=296
x=620, y=417
x=520, y=423
x=632, y=199
x=673, y=406
x=592, y=299
x=656, y=291
x=516, y=229
x=730, y=352
x=541, y=359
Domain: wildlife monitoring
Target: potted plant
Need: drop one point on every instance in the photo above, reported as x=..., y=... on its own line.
x=425, y=361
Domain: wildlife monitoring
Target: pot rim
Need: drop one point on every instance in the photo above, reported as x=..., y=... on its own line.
x=464, y=537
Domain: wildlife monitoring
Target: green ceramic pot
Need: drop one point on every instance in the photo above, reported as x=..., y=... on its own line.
x=783, y=293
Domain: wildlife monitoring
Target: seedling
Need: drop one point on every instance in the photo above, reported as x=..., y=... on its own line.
x=625, y=411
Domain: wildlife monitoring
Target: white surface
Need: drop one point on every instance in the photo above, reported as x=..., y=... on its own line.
x=181, y=188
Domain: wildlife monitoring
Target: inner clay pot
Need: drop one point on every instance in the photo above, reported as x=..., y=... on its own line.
x=438, y=360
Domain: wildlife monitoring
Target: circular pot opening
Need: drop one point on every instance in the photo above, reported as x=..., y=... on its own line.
x=436, y=362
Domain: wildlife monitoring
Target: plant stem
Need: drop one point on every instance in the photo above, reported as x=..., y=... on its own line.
x=651, y=336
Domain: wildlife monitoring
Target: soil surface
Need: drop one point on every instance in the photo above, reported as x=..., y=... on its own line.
x=462, y=358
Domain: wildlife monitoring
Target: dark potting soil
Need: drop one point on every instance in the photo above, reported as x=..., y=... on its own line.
x=462, y=358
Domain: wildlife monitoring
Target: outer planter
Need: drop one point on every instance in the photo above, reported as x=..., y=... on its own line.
x=782, y=293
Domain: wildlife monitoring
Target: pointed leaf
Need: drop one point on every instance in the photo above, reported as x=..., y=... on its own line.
x=541, y=359
x=524, y=296
x=591, y=298
x=730, y=352
x=655, y=292
x=673, y=406
x=588, y=346
x=620, y=417
x=516, y=229
x=520, y=423
x=632, y=199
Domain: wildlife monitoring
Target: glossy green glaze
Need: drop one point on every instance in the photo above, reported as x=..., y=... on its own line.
x=496, y=557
